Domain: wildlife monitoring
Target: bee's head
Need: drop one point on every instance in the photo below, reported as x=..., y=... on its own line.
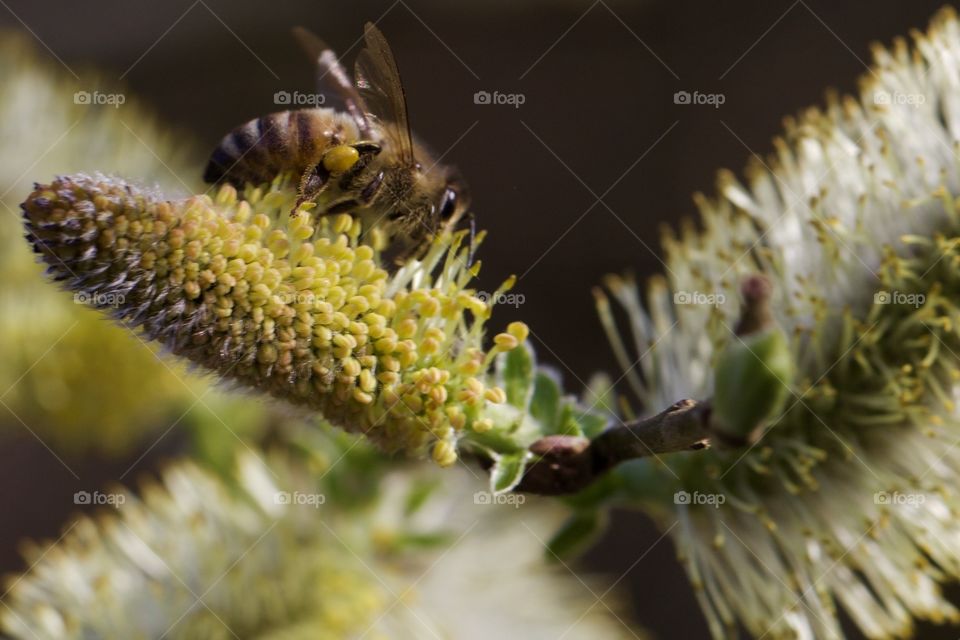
x=420, y=204
x=427, y=201
x=446, y=194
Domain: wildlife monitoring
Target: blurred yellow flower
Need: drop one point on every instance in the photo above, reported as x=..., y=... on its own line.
x=75, y=381
x=280, y=552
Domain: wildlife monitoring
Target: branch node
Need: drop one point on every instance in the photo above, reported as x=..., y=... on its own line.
x=568, y=464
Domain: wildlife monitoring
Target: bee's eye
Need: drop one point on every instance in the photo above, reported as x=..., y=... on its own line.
x=448, y=203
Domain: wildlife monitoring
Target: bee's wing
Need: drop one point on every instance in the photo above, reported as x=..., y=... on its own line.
x=332, y=79
x=378, y=80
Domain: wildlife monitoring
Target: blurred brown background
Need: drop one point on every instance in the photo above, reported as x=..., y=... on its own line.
x=598, y=80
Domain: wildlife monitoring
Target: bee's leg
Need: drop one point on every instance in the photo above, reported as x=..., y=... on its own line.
x=312, y=184
x=413, y=249
x=341, y=206
x=366, y=196
x=367, y=147
x=370, y=191
x=367, y=151
x=419, y=247
x=316, y=179
x=348, y=182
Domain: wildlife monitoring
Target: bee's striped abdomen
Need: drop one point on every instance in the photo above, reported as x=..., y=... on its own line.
x=258, y=150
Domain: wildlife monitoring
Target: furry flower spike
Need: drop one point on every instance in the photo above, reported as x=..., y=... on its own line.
x=849, y=501
x=297, y=307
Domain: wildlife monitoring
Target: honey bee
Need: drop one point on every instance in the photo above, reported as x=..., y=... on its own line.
x=357, y=156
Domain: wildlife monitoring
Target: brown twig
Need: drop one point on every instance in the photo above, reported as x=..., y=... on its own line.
x=564, y=465
x=567, y=464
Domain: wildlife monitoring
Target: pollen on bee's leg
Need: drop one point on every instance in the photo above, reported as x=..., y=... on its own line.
x=340, y=158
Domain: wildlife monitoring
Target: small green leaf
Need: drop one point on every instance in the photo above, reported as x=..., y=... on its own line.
x=568, y=425
x=507, y=471
x=575, y=535
x=591, y=424
x=516, y=370
x=545, y=403
x=494, y=442
x=752, y=381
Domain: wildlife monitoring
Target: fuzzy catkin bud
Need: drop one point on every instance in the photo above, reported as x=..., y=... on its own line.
x=860, y=464
x=298, y=308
